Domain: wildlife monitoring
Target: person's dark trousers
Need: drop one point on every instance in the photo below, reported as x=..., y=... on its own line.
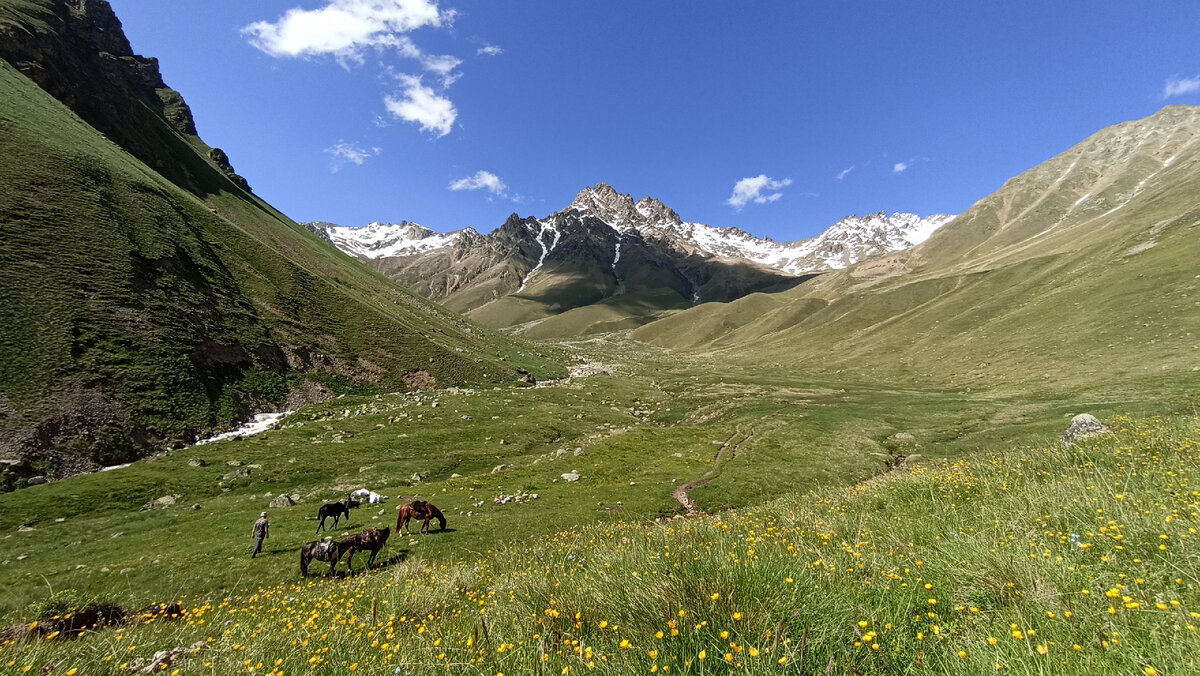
x=257, y=548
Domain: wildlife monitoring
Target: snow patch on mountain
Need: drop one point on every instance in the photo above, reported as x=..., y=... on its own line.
x=391, y=240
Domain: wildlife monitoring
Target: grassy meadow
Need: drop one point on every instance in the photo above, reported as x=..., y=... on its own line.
x=790, y=457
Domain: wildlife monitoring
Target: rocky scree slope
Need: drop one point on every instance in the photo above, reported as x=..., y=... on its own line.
x=149, y=296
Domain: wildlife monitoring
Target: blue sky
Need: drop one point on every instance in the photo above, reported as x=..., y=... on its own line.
x=776, y=117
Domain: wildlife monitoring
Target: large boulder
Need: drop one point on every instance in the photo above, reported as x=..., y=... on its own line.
x=1082, y=426
x=571, y=476
x=282, y=500
x=235, y=474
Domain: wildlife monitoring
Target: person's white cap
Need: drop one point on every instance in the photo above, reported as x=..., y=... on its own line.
x=263, y=514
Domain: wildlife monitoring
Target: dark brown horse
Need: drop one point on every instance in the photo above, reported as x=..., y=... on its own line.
x=330, y=551
x=421, y=510
x=370, y=540
x=335, y=509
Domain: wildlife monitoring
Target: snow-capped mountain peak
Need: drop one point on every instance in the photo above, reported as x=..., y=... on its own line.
x=389, y=240
x=848, y=241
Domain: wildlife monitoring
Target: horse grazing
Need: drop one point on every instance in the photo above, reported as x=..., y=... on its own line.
x=329, y=551
x=335, y=509
x=370, y=540
x=422, y=510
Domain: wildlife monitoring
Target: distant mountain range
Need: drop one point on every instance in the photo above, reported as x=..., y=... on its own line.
x=605, y=248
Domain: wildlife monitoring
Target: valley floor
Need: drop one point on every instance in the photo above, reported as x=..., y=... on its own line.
x=805, y=557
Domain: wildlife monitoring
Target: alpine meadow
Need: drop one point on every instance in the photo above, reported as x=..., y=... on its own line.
x=577, y=431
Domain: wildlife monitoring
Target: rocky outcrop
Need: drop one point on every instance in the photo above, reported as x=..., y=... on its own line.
x=78, y=52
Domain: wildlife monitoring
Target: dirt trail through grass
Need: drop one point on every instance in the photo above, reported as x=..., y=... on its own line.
x=728, y=451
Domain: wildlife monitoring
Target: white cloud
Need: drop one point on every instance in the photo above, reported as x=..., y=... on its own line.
x=420, y=104
x=843, y=173
x=342, y=153
x=489, y=50
x=482, y=180
x=442, y=66
x=899, y=167
x=759, y=189
x=1178, y=86
x=344, y=27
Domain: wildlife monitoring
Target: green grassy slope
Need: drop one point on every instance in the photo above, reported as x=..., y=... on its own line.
x=139, y=311
x=1028, y=559
x=1082, y=279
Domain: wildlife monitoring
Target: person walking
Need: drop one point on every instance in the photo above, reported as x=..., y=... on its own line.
x=262, y=531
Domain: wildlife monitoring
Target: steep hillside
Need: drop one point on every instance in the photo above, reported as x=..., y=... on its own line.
x=607, y=262
x=1079, y=270
x=149, y=296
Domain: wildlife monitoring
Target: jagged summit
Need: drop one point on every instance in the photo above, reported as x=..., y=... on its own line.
x=621, y=212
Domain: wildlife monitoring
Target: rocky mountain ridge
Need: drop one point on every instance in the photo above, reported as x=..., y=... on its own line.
x=846, y=242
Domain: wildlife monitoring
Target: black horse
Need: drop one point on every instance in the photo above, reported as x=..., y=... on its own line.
x=335, y=509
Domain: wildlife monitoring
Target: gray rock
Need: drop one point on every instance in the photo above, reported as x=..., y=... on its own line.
x=416, y=478
x=159, y=503
x=903, y=436
x=196, y=462
x=282, y=500
x=35, y=480
x=571, y=476
x=455, y=476
x=579, y=452
x=498, y=468
x=234, y=463
x=1082, y=426
x=236, y=474
x=126, y=570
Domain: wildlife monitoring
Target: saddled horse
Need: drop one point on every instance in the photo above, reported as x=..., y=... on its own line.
x=335, y=509
x=330, y=551
x=370, y=540
x=422, y=510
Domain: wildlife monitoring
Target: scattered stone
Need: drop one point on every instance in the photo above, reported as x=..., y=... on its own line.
x=59, y=520
x=117, y=534
x=234, y=463
x=282, y=500
x=196, y=462
x=24, y=529
x=504, y=442
x=1083, y=426
x=196, y=506
x=35, y=480
x=337, y=439
x=903, y=436
x=236, y=474
x=455, y=476
x=503, y=499
x=498, y=468
x=579, y=452
x=571, y=476
x=105, y=569
x=416, y=478
x=292, y=461
x=560, y=452
x=126, y=570
x=676, y=455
